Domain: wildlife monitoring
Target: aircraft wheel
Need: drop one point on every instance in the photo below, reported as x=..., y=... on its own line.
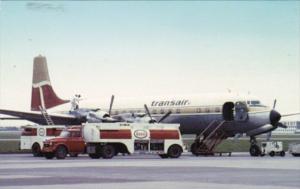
x=36, y=150
x=254, y=150
x=272, y=153
x=108, y=151
x=163, y=156
x=174, y=151
x=61, y=152
x=49, y=155
x=282, y=153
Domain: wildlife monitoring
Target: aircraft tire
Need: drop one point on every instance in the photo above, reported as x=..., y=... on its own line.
x=108, y=151
x=61, y=152
x=254, y=150
x=174, y=151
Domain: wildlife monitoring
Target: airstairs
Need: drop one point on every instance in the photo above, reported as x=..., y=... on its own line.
x=45, y=114
x=205, y=144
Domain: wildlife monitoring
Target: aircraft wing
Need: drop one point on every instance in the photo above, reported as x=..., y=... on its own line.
x=36, y=117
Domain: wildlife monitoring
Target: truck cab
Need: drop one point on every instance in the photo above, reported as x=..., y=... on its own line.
x=70, y=142
x=33, y=136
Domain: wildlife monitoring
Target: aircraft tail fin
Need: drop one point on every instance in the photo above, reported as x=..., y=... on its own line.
x=42, y=94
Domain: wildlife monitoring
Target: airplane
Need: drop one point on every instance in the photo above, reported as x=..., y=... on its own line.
x=211, y=117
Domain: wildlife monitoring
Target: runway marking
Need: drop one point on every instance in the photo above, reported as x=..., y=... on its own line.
x=219, y=162
x=151, y=185
x=21, y=176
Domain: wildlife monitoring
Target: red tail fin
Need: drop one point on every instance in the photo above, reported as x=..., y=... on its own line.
x=42, y=92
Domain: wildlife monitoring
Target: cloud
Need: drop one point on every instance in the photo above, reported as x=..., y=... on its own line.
x=41, y=6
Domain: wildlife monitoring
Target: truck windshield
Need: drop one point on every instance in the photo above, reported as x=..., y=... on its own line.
x=64, y=134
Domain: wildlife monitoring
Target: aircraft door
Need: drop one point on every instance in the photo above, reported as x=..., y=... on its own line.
x=227, y=111
x=241, y=111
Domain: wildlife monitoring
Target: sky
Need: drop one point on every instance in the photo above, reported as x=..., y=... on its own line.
x=152, y=48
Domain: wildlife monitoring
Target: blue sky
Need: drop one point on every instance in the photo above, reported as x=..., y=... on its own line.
x=152, y=48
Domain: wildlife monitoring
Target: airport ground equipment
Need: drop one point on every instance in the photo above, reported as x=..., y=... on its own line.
x=108, y=139
x=32, y=137
x=272, y=148
x=295, y=149
x=70, y=142
x=205, y=144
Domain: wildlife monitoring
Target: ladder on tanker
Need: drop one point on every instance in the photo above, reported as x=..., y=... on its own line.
x=46, y=116
x=205, y=144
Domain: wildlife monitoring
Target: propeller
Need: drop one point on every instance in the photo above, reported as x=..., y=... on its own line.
x=274, y=104
x=153, y=120
x=149, y=114
x=111, y=104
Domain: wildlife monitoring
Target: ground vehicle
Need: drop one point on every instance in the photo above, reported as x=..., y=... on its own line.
x=70, y=142
x=108, y=139
x=295, y=149
x=272, y=148
x=32, y=137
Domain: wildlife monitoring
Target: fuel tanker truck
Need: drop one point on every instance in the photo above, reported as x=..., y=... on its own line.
x=109, y=139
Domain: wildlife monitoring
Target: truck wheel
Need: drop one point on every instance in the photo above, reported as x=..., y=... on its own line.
x=163, y=156
x=108, y=151
x=61, y=152
x=282, y=153
x=49, y=155
x=36, y=150
x=174, y=151
x=73, y=155
x=94, y=156
x=272, y=153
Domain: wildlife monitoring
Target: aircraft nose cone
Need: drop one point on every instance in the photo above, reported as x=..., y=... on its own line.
x=274, y=117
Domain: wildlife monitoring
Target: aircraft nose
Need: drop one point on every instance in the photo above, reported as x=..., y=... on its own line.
x=274, y=117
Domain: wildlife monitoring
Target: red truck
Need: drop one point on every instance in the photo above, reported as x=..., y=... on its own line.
x=69, y=142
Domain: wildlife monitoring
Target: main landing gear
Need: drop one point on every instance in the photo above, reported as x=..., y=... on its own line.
x=254, y=148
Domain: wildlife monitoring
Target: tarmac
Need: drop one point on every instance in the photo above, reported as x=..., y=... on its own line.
x=240, y=171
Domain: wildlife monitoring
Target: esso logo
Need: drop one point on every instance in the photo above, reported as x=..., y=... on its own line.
x=41, y=131
x=140, y=134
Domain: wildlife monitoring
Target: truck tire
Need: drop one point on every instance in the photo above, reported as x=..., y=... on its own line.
x=94, y=156
x=61, y=152
x=163, y=156
x=108, y=151
x=272, y=153
x=174, y=151
x=49, y=155
x=36, y=150
x=282, y=153
x=73, y=155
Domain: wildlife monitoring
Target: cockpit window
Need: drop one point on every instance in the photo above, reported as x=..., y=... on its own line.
x=255, y=103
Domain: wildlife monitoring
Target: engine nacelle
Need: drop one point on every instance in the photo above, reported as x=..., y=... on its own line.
x=261, y=130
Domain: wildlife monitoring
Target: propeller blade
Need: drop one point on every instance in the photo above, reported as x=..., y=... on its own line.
x=286, y=115
x=164, y=117
x=274, y=104
x=147, y=111
x=111, y=104
x=281, y=125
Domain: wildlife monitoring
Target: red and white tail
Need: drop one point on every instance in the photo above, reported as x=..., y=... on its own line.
x=42, y=94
